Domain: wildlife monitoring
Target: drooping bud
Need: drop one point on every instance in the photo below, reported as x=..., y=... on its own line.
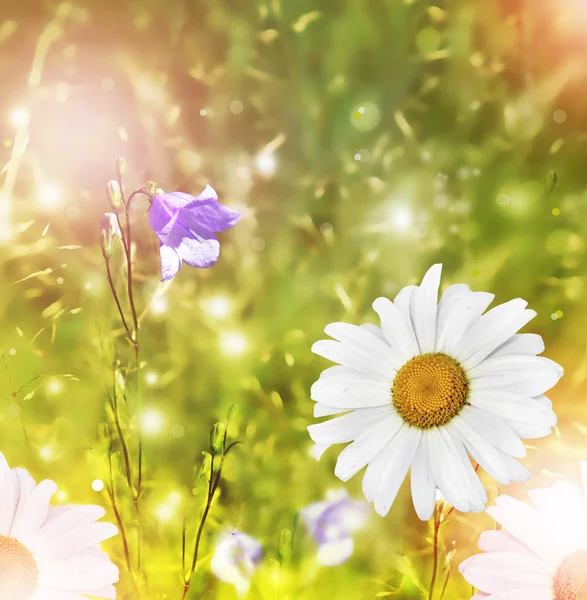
x=114, y=194
x=109, y=232
x=150, y=188
x=120, y=166
x=217, y=438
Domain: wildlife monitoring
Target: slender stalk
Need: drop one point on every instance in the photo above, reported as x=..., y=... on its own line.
x=212, y=487
x=437, y=515
x=125, y=451
x=115, y=296
x=448, y=574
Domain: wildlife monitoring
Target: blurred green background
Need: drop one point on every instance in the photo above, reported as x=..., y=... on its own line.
x=363, y=140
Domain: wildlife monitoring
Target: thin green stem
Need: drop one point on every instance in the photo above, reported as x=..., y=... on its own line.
x=116, y=415
x=212, y=487
x=115, y=296
x=448, y=574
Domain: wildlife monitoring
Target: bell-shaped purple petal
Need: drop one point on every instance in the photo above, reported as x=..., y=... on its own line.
x=170, y=262
x=331, y=524
x=235, y=559
x=186, y=225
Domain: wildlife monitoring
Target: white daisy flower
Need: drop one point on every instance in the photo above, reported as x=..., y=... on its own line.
x=541, y=552
x=50, y=553
x=437, y=381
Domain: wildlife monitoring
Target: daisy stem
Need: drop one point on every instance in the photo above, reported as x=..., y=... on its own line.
x=437, y=515
x=448, y=574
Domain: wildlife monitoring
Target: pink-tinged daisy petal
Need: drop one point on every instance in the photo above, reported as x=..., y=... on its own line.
x=498, y=572
x=34, y=512
x=499, y=540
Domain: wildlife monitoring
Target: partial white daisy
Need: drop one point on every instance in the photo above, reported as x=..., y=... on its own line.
x=332, y=523
x=50, y=553
x=235, y=560
x=541, y=552
x=437, y=382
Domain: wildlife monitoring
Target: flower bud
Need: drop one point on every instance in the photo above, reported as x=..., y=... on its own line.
x=232, y=411
x=120, y=166
x=150, y=188
x=109, y=232
x=217, y=438
x=284, y=546
x=551, y=181
x=114, y=194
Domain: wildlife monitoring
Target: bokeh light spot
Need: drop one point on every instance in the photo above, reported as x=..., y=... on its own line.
x=97, y=485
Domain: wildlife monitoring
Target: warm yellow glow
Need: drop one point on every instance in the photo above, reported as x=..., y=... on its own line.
x=266, y=163
x=20, y=117
x=97, y=485
x=151, y=421
x=218, y=307
x=233, y=343
x=49, y=195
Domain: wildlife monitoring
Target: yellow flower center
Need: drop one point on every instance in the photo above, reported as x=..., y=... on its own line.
x=429, y=390
x=18, y=570
x=570, y=578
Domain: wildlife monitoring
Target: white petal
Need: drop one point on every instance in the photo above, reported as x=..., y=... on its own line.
x=360, y=340
x=353, y=358
x=495, y=430
x=482, y=451
x=321, y=410
x=461, y=316
x=399, y=459
x=397, y=332
x=348, y=427
x=422, y=482
x=351, y=390
x=524, y=375
x=374, y=330
x=521, y=343
x=403, y=302
x=366, y=447
x=449, y=298
x=518, y=472
x=34, y=512
x=332, y=554
x=491, y=330
x=424, y=309
x=448, y=470
x=512, y=407
x=374, y=474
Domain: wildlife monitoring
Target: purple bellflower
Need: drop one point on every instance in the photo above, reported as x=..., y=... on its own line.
x=185, y=226
x=331, y=524
x=235, y=560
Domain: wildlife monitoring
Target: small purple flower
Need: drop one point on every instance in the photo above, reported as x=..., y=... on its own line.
x=185, y=226
x=235, y=560
x=331, y=524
